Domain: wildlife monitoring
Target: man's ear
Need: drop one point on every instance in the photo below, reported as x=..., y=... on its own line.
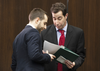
x=66, y=15
x=37, y=20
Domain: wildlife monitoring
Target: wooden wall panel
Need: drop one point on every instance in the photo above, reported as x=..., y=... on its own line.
x=86, y=15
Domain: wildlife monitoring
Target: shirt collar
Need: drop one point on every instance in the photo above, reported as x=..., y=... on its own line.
x=31, y=25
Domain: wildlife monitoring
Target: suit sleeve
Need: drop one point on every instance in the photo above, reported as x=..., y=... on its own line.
x=42, y=39
x=14, y=62
x=80, y=51
x=35, y=49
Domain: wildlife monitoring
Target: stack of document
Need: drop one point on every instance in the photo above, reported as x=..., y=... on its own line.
x=62, y=53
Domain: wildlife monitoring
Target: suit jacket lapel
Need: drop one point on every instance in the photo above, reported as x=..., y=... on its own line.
x=68, y=35
x=54, y=35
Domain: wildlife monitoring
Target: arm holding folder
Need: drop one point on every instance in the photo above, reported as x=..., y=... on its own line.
x=62, y=53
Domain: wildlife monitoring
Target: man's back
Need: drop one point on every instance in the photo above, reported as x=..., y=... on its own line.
x=28, y=51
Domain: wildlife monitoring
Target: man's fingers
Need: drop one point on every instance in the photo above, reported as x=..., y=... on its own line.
x=47, y=51
x=69, y=64
x=43, y=51
x=52, y=56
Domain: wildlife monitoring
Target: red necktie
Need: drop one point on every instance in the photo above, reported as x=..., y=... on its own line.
x=61, y=42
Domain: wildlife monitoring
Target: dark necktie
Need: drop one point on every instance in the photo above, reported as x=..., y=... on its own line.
x=61, y=42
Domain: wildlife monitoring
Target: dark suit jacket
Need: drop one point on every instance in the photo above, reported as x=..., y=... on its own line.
x=27, y=51
x=74, y=41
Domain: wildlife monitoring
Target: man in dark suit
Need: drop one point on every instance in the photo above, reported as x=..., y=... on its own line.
x=74, y=38
x=27, y=46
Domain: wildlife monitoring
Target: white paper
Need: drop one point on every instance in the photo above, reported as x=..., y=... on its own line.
x=52, y=48
x=61, y=59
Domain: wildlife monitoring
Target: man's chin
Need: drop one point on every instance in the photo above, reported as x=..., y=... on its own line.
x=59, y=27
x=42, y=29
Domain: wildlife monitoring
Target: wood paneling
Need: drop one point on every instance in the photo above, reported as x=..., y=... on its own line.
x=86, y=15
x=82, y=13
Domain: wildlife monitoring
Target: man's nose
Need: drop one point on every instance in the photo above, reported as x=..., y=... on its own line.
x=56, y=21
x=45, y=26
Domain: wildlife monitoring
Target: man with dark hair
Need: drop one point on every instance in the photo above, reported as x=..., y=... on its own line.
x=27, y=46
x=62, y=33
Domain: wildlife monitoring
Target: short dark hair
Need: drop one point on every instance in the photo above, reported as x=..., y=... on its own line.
x=59, y=7
x=37, y=12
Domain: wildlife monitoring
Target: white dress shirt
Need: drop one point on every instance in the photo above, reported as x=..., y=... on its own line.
x=59, y=34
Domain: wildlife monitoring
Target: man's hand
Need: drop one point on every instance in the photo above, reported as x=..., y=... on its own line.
x=51, y=55
x=69, y=64
x=43, y=52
